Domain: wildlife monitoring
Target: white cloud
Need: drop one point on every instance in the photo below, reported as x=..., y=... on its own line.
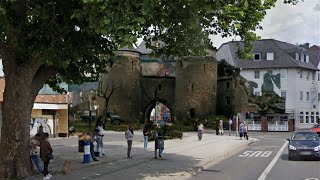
x=290, y=23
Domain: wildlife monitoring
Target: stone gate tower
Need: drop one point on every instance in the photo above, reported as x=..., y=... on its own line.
x=123, y=77
x=195, y=92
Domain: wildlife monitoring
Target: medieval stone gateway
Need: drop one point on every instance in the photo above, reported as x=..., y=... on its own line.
x=187, y=85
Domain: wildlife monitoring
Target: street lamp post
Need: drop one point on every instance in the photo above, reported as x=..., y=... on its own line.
x=230, y=122
x=90, y=109
x=155, y=105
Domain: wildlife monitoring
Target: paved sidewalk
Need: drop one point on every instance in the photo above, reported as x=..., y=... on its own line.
x=182, y=158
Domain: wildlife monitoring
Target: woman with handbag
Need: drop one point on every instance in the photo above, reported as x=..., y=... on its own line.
x=45, y=154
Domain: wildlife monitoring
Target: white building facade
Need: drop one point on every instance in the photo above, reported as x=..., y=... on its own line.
x=284, y=69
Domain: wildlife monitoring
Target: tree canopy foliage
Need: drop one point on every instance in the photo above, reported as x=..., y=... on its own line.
x=70, y=35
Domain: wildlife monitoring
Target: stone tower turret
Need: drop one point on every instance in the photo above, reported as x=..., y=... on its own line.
x=123, y=78
x=196, y=83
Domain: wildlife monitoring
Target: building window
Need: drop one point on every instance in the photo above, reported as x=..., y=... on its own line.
x=317, y=117
x=283, y=73
x=257, y=93
x=308, y=74
x=307, y=97
x=302, y=57
x=228, y=85
x=301, y=74
x=301, y=96
x=297, y=56
x=228, y=101
x=307, y=117
x=312, y=118
x=47, y=112
x=256, y=74
x=307, y=58
x=284, y=94
x=257, y=56
x=318, y=76
x=313, y=76
x=270, y=56
x=269, y=72
x=301, y=117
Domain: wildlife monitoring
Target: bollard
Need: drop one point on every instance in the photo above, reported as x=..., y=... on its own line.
x=86, y=154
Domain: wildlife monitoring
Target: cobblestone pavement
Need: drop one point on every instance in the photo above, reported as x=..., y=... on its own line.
x=182, y=157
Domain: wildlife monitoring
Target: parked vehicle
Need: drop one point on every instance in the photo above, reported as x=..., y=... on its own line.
x=316, y=128
x=304, y=144
x=114, y=119
x=86, y=117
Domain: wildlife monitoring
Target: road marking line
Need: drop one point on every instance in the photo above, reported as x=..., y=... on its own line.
x=272, y=163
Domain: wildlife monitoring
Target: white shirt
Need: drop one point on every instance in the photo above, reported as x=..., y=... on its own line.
x=200, y=127
x=100, y=130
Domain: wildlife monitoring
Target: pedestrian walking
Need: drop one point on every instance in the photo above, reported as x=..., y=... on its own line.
x=99, y=137
x=92, y=140
x=245, y=131
x=129, y=136
x=40, y=131
x=35, y=152
x=146, y=131
x=46, y=155
x=200, y=131
x=221, y=127
x=241, y=130
x=159, y=141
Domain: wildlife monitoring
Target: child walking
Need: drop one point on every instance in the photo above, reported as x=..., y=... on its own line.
x=45, y=154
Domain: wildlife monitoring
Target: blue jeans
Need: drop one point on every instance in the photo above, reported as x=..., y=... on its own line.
x=36, y=160
x=160, y=152
x=145, y=140
x=92, y=151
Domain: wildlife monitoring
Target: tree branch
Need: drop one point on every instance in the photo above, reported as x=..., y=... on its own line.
x=41, y=76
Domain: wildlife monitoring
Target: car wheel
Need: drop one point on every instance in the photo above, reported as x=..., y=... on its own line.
x=290, y=157
x=116, y=122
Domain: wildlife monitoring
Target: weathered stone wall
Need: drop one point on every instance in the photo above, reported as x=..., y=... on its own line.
x=233, y=87
x=123, y=75
x=196, y=83
x=225, y=92
x=155, y=68
x=163, y=87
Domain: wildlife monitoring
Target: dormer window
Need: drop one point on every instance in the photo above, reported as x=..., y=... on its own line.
x=270, y=56
x=307, y=58
x=257, y=57
x=302, y=57
x=297, y=56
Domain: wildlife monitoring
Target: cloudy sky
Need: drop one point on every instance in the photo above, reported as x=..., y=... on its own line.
x=290, y=23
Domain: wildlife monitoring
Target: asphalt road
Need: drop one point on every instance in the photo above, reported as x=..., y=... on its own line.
x=253, y=162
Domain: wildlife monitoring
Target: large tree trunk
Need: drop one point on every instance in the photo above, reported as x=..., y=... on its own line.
x=15, y=133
